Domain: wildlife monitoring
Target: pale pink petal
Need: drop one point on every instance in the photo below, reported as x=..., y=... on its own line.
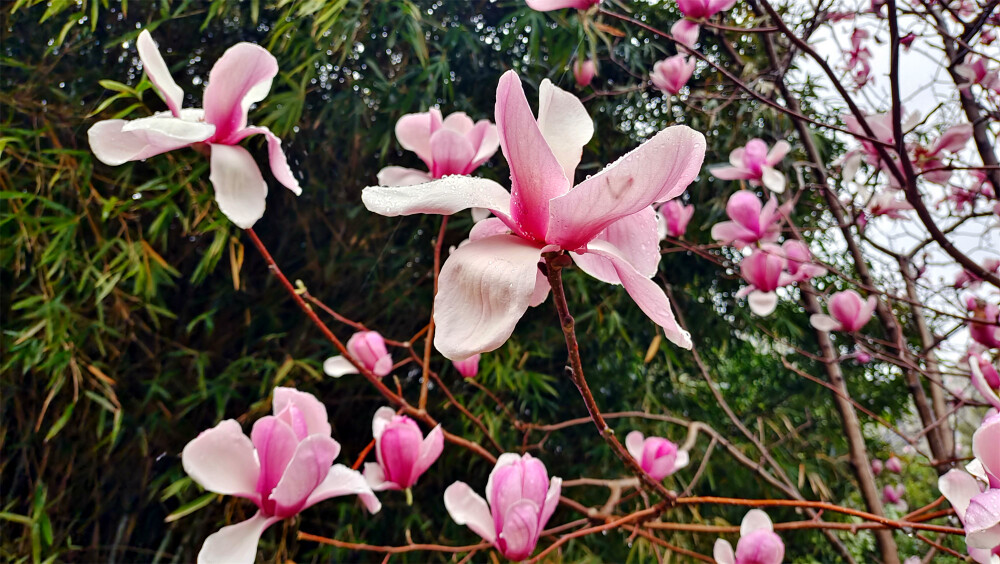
x=484, y=289
x=542, y=288
x=485, y=138
x=736, y=158
x=504, y=460
x=953, y=140
x=413, y=131
x=633, y=443
x=452, y=153
x=565, y=125
x=275, y=442
x=304, y=473
x=240, y=189
x=636, y=237
x=445, y=197
x=341, y=481
x=730, y=173
x=760, y=547
x=551, y=501
x=762, y=303
x=430, y=450
x=459, y=122
x=535, y=173
x=466, y=507
x=311, y=409
x=773, y=180
x=549, y=5
x=158, y=73
x=682, y=460
x=235, y=544
x=982, y=520
x=520, y=530
x=240, y=78
x=646, y=294
x=383, y=416
x=982, y=555
x=488, y=228
x=657, y=171
x=984, y=389
x=222, y=460
x=958, y=488
x=685, y=32
x=986, y=447
x=755, y=520
x=383, y=366
x=723, y=552
x=275, y=156
x=117, y=141
x=338, y=366
x=732, y=233
x=400, y=176
x=824, y=322
x=778, y=152
x=376, y=479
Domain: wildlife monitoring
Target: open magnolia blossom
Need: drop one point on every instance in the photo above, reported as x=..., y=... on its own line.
x=987, y=331
x=285, y=466
x=368, y=348
x=606, y=223
x=549, y=5
x=758, y=543
x=929, y=160
x=771, y=267
x=985, y=380
x=849, y=313
x=672, y=218
x=975, y=494
x=893, y=495
x=239, y=79
x=671, y=74
x=453, y=145
x=657, y=456
x=756, y=164
x=521, y=500
x=402, y=451
x=752, y=222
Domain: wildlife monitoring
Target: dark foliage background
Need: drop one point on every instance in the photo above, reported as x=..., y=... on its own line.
x=134, y=316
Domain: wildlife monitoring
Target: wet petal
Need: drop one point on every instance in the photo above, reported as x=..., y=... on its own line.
x=982, y=520
x=376, y=479
x=452, y=153
x=565, y=125
x=275, y=442
x=445, y=197
x=340, y=481
x=401, y=176
x=240, y=189
x=276, y=157
x=240, y=78
x=636, y=237
x=304, y=473
x=117, y=141
x=312, y=410
x=158, y=72
x=958, y=488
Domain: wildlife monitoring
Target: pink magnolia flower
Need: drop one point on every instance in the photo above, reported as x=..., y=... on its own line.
x=284, y=467
x=368, y=348
x=894, y=465
x=671, y=74
x=859, y=58
x=877, y=466
x=583, y=72
x=751, y=222
x=888, y=204
x=239, y=79
x=685, y=32
x=850, y=314
x=549, y=5
x=606, y=223
x=953, y=140
x=673, y=218
x=987, y=332
x=521, y=500
x=969, y=279
x=799, y=258
x=469, y=367
x=986, y=380
x=755, y=163
x=764, y=271
x=893, y=495
x=656, y=455
x=907, y=40
x=402, y=451
x=453, y=145
x=703, y=9
x=758, y=543
x=975, y=71
x=975, y=494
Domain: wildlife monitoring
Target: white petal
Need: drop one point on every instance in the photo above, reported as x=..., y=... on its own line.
x=240, y=189
x=773, y=180
x=375, y=477
x=633, y=443
x=723, y=552
x=762, y=303
x=824, y=322
x=445, y=196
x=401, y=176
x=235, y=544
x=682, y=460
x=565, y=125
x=117, y=141
x=343, y=481
x=222, y=460
x=381, y=420
x=755, y=520
x=158, y=72
x=338, y=366
x=466, y=507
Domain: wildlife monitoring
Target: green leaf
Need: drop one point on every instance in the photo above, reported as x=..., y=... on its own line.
x=61, y=422
x=190, y=507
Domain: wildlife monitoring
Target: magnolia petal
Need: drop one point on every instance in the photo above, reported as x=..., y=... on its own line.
x=762, y=303
x=240, y=189
x=520, y=530
x=222, y=460
x=452, y=153
x=413, y=131
x=773, y=180
x=488, y=228
x=485, y=138
x=682, y=460
x=755, y=520
x=402, y=176
x=240, y=78
x=723, y=552
x=824, y=322
x=986, y=447
x=468, y=508
x=158, y=72
x=376, y=479
x=312, y=410
x=982, y=520
x=989, y=394
x=958, y=488
x=444, y=197
x=383, y=366
x=732, y=233
x=685, y=32
x=636, y=237
x=646, y=294
x=340, y=481
x=235, y=544
x=778, y=152
x=338, y=366
x=730, y=173
x=276, y=442
x=504, y=460
x=551, y=501
x=565, y=125
x=430, y=449
x=117, y=141
x=535, y=173
x=305, y=471
x=657, y=171
x=633, y=443
x=542, y=288
x=485, y=287
x=383, y=416
x=276, y=158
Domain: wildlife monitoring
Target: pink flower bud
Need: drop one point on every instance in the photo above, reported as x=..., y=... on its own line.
x=583, y=72
x=877, y=466
x=402, y=451
x=671, y=74
x=758, y=543
x=368, y=348
x=848, y=312
x=469, y=367
x=894, y=464
x=763, y=270
x=656, y=455
x=685, y=32
x=522, y=498
x=676, y=217
x=893, y=494
x=752, y=222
